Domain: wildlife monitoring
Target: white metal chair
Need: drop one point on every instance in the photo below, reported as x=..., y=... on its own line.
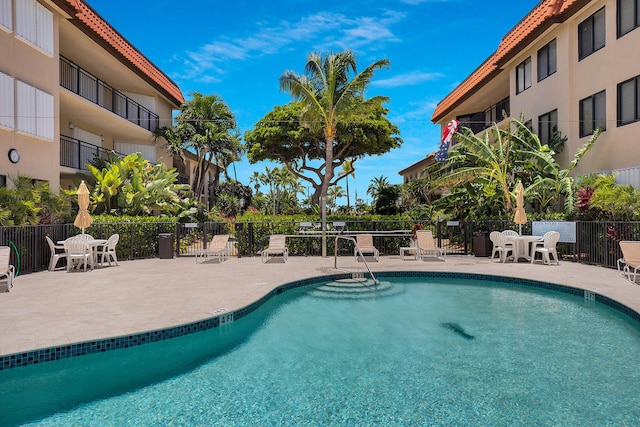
x=365, y=245
x=7, y=271
x=277, y=246
x=78, y=250
x=501, y=246
x=547, y=247
x=217, y=247
x=108, y=250
x=57, y=253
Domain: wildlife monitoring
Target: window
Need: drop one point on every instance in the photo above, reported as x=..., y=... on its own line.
x=34, y=24
x=628, y=16
x=523, y=75
x=5, y=14
x=35, y=111
x=591, y=35
x=547, y=63
x=7, y=114
x=546, y=124
x=592, y=113
x=629, y=101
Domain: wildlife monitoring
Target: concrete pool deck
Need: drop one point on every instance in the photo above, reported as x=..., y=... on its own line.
x=48, y=309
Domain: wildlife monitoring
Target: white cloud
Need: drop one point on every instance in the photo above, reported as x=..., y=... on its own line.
x=407, y=79
x=420, y=113
x=327, y=30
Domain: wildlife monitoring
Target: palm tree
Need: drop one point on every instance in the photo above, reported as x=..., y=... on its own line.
x=377, y=186
x=256, y=180
x=334, y=193
x=330, y=98
x=207, y=127
x=348, y=169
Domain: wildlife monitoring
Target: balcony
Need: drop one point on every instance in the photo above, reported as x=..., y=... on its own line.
x=481, y=121
x=76, y=154
x=81, y=82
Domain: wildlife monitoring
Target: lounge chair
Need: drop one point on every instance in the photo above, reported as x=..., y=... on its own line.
x=78, y=249
x=277, y=246
x=501, y=246
x=427, y=245
x=365, y=246
x=629, y=264
x=547, y=247
x=217, y=247
x=108, y=250
x=57, y=253
x=7, y=271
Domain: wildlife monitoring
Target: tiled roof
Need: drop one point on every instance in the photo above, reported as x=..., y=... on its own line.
x=429, y=160
x=541, y=17
x=87, y=19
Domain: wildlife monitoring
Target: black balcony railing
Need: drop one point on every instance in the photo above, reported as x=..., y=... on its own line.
x=75, y=153
x=88, y=86
x=494, y=114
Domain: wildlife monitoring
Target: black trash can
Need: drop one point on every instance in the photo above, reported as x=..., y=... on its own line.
x=481, y=244
x=165, y=245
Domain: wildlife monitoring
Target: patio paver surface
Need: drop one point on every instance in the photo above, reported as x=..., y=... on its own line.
x=48, y=309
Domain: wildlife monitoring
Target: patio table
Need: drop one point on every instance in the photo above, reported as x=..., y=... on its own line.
x=522, y=245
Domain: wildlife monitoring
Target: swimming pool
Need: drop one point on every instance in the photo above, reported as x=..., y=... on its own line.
x=431, y=350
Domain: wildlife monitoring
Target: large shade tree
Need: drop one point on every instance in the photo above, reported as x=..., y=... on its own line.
x=207, y=127
x=332, y=94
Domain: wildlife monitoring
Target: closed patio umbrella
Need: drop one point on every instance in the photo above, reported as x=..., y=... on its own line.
x=83, y=219
x=520, y=216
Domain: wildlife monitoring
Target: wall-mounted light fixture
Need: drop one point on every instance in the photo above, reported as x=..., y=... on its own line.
x=71, y=125
x=102, y=138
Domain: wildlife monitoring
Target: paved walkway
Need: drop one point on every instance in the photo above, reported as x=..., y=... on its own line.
x=55, y=308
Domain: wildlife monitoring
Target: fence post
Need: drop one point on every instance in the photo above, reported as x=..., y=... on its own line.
x=250, y=239
x=177, y=240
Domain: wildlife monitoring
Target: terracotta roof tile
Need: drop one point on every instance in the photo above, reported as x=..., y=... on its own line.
x=101, y=28
x=542, y=16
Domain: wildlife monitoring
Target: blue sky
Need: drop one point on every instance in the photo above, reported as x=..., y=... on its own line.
x=238, y=50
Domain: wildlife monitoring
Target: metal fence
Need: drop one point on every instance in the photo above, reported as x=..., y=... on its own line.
x=596, y=243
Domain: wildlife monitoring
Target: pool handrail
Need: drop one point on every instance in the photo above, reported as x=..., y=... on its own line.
x=352, y=239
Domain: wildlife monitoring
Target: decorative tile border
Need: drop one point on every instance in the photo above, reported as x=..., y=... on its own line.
x=108, y=344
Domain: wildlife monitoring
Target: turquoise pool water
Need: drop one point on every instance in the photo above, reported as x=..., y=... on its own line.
x=423, y=352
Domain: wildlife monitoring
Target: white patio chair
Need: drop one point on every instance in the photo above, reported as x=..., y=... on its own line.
x=508, y=233
x=57, y=253
x=501, y=246
x=7, y=271
x=84, y=236
x=365, y=244
x=78, y=251
x=108, y=250
x=277, y=246
x=547, y=247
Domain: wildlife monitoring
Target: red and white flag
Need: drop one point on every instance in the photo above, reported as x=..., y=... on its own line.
x=447, y=136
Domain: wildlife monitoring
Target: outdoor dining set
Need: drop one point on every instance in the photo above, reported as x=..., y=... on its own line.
x=510, y=245
x=83, y=250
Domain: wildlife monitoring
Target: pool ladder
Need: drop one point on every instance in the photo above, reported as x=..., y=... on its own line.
x=351, y=239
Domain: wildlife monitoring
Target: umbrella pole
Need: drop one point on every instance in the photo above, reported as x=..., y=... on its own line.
x=519, y=225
